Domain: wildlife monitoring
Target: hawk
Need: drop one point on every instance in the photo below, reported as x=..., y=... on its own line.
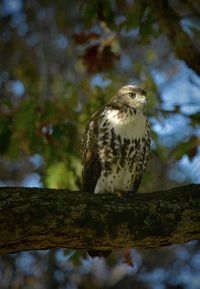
x=116, y=144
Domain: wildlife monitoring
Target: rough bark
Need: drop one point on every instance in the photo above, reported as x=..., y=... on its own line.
x=33, y=218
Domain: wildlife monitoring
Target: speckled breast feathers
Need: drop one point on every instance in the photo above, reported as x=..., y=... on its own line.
x=116, y=145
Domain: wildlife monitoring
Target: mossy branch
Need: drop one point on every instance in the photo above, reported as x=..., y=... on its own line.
x=34, y=218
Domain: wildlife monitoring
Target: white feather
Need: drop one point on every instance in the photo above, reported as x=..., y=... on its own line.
x=133, y=126
x=129, y=127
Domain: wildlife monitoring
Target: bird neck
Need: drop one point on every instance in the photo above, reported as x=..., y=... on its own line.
x=127, y=124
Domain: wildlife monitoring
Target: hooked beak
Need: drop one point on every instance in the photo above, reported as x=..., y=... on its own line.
x=143, y=103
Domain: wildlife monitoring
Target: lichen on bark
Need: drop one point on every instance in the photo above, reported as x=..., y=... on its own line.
x=35, y=218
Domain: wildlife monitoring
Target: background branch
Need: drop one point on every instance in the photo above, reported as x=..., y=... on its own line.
x=34, y=218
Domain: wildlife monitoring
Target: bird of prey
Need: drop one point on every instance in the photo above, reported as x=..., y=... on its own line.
x=116, y=144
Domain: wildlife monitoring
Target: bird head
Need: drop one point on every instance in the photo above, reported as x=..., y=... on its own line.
x=130, y=96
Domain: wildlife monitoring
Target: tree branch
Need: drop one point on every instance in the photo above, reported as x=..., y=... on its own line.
x=33, y=218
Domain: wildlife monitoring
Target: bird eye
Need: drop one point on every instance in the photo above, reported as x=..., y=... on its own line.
x=132, y=94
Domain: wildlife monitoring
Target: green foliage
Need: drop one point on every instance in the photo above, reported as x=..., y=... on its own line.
x=63, y=174
x=98, y=10
x=133, y=16
x=188, y=147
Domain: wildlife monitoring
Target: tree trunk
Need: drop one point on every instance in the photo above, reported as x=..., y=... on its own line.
x=34, y=218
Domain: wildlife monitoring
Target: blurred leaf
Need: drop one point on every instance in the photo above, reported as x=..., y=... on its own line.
x=147, y=28
x=133, y=16
x=128, y=257
x=76, y=257
x=195, y=118
x=97, y=59
x=189, y=147
x=89, y=11
x=196, y=31
x=25, y=137
x=83, y=38
x=63, y=174
x=98, y=10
